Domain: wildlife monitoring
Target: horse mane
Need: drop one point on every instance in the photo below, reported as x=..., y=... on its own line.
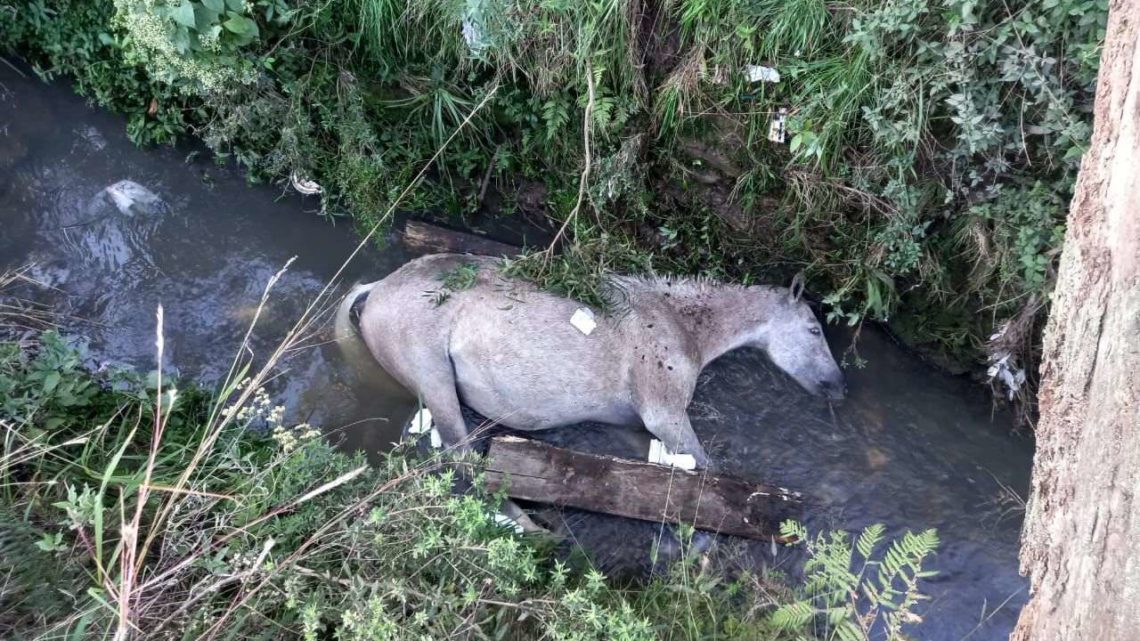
x=619, y=290
x=681, y=284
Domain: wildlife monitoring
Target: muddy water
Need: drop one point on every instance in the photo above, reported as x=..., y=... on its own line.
x=910, y=448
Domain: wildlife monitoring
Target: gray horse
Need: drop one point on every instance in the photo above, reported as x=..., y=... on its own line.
x=509, y=350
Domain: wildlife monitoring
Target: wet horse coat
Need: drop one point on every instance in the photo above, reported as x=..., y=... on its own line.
x=508, y=350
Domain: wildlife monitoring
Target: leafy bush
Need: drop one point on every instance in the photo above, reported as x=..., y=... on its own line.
x=74, y=38
x=196, y=44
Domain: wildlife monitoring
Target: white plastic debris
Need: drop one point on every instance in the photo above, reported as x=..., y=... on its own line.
x=777, y=129
x=506, y=521
x=759, y=73
x=662, y=456
x=1004, y=370
x=131, y=198
x=304, y=185
x=1004, y=366
x=474, y=29
x=583, y=321
x=422, y=424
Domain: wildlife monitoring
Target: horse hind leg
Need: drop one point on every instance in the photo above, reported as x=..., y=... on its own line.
x=439, y=394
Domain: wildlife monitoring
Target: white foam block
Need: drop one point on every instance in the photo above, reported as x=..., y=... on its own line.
x=758, y=73
x=421, y=422
x=662, y=456
x=506, y=521
x=583, y=321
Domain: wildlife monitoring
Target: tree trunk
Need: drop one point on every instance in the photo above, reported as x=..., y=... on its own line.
x=1081, y=542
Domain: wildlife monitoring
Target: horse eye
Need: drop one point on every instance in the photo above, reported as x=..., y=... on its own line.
x=814, y=331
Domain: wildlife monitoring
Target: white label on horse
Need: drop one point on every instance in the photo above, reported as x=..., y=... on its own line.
x=583, y=321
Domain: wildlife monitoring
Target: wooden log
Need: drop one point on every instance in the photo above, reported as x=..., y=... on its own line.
x=534, y=471
x=427, y=238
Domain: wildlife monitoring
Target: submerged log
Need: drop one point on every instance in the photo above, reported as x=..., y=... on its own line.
x=427, y=238
x=534, y=471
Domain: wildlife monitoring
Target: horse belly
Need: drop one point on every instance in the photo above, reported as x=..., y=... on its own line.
x=540, y=388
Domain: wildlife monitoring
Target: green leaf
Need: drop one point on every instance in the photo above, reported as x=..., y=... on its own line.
x=204, y=18
x=869, y=539
x=236, y=5
x=217, y=6
x=242, y=26
x=51, y=381
x=181, y=40
x=183, y=14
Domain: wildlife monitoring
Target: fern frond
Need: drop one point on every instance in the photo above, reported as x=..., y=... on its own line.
x=870, y=538
x=848, y=631
x=793, y=616
x=794, y=530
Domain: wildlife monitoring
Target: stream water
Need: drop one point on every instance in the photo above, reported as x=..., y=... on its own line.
x=911, y=447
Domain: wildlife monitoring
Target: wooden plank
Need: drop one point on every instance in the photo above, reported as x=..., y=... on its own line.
x=421, y=237
x=534, y=471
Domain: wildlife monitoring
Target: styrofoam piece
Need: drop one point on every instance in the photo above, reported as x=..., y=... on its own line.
x=760, y=73
x=583, y=321
x=662, y=456
x=421, y=422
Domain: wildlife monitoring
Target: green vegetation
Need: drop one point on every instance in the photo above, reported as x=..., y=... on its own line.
x=456, y=280
x=931, y=147
x=129, y=503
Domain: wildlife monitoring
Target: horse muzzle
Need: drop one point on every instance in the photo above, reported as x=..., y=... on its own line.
x=833, y=390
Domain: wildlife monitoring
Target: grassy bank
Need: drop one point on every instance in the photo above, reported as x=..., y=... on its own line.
x=929, y=154
x=134, y=508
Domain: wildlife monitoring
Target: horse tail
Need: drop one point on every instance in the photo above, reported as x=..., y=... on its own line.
x=346, y=324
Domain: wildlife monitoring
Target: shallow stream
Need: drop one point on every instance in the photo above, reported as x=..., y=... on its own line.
x=911, y=447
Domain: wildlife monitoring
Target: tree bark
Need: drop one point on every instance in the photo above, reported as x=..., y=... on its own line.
x=1081, y=541
x=427, y=238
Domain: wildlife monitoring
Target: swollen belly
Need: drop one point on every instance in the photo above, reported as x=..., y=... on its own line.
x=532, y=403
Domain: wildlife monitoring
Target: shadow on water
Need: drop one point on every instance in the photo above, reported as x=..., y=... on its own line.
x=909, y=448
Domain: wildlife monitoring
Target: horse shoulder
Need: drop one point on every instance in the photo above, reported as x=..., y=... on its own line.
x=664, y=359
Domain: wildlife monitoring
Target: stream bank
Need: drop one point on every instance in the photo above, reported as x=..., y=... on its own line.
x=912, y=448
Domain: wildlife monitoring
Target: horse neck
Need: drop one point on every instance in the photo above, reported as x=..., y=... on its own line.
x=720, y=318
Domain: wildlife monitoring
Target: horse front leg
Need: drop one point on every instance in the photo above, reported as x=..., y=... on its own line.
x=674, y=430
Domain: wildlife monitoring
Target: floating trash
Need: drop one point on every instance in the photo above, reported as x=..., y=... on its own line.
x=304, y=185
x=131, y=198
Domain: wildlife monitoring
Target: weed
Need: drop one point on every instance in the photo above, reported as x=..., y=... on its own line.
x=847, y=596
x=454, y=280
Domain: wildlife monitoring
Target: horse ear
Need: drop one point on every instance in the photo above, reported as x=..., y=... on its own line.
x=796, y=289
